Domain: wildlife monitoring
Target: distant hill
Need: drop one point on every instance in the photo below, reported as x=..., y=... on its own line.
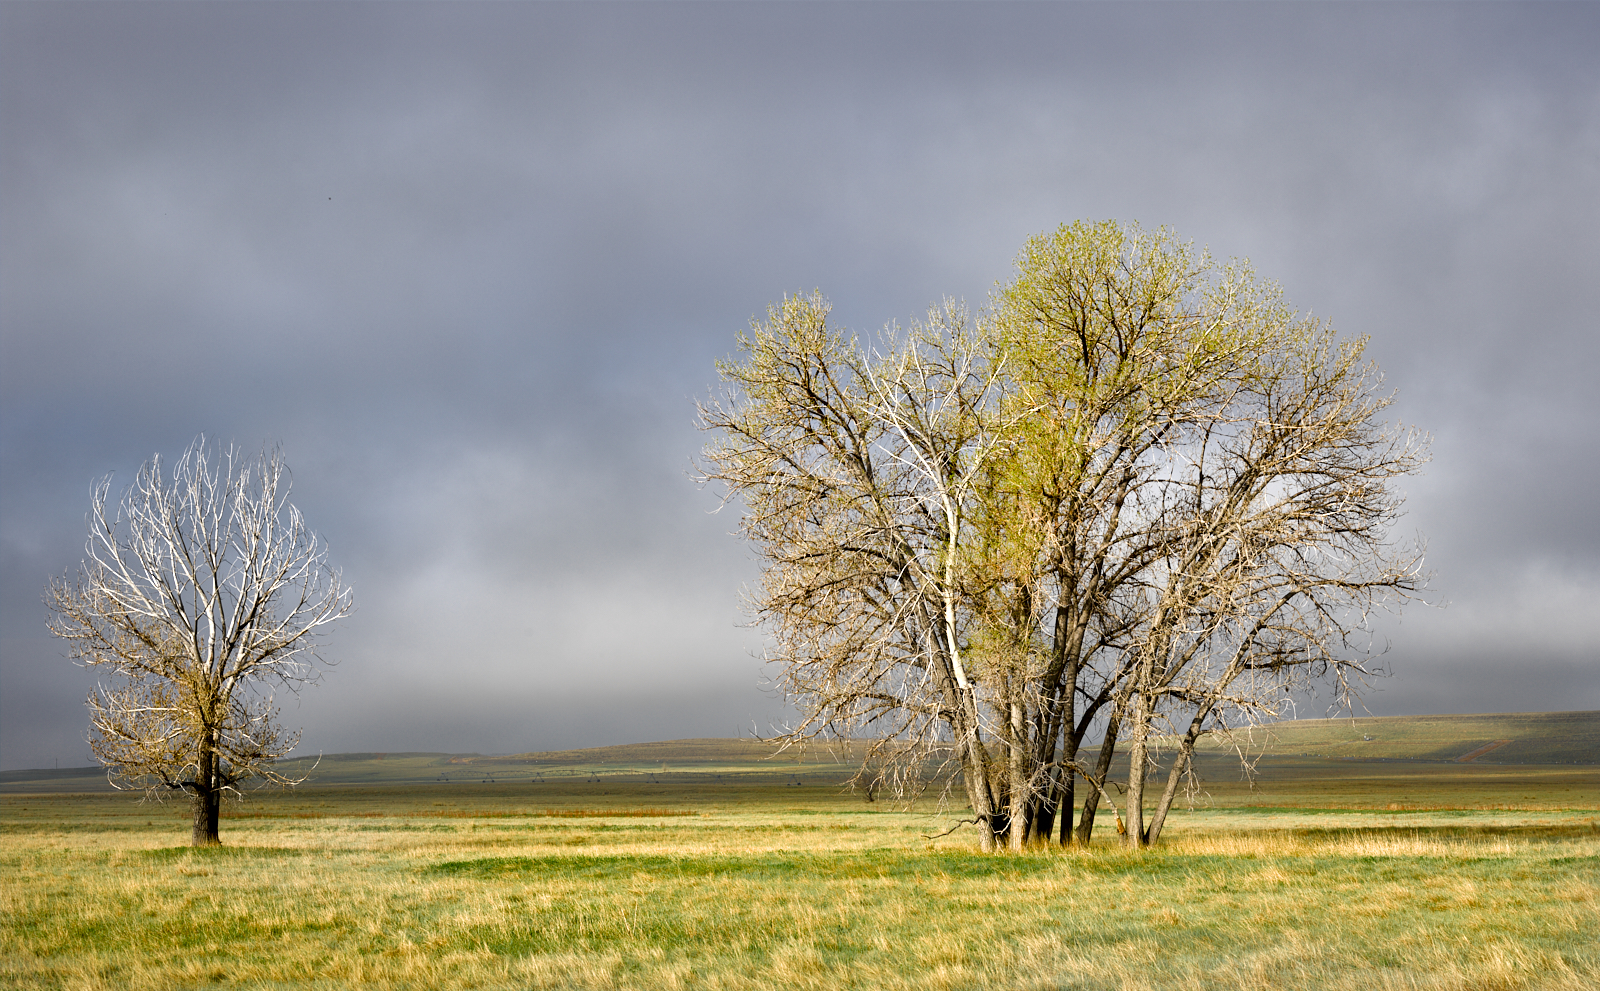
x=670, y=758
x=1488, y=738
x=1508, y=738
x=728, y=759
x=698, y=752
x=1504, y=738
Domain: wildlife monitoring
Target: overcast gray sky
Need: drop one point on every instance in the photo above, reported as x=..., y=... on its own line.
x=471, y=264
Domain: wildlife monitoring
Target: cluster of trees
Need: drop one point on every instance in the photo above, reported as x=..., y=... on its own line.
x=199, y=593
x=1138, y=495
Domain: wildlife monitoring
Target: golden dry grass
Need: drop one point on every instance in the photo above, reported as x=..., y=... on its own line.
x=770, y=888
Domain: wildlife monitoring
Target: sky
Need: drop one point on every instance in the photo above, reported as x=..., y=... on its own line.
x=472, y=265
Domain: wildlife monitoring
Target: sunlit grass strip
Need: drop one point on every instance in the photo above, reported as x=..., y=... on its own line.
x=603, y=813
x=473, y=814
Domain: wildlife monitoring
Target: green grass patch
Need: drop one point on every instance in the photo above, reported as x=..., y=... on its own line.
x=1323, y=874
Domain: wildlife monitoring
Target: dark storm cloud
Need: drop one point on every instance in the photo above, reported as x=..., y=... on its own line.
x=469, y=264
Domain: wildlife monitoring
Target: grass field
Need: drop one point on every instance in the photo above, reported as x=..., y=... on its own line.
x=723, y=873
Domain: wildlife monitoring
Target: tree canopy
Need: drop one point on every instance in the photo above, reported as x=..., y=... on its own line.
x=1138, y=493
x=199, y=593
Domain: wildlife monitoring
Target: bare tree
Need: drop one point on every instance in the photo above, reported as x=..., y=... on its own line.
x=1285, y=508
x=199, y=594
x=1139, y=486
x=854, y=498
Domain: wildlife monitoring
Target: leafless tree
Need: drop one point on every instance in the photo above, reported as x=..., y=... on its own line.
x=856, y=513
x=1139, y=486
x=198, y=594
x=1283, y=513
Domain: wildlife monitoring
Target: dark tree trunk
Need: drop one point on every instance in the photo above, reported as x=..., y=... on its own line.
x=1185, y=755
x=207, y=798
x=1071, y=739
x=1043, y=823
x=1057, y=803
x=207, y=809
x=1063, y=724
x=1066, y=807
x=1042, y=814
x=1091, y=796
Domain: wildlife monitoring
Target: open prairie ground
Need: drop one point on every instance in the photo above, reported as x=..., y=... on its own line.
x=1328, y=873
